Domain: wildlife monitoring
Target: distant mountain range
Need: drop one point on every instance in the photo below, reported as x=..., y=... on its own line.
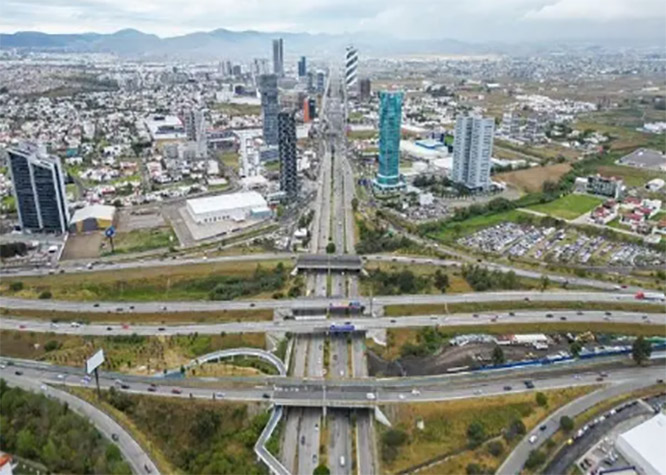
x=222, y=43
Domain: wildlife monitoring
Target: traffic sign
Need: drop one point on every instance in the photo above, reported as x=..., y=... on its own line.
x=110, y=231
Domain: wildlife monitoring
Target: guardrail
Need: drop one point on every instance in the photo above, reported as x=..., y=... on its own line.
x=257, y=353
x=273, y=464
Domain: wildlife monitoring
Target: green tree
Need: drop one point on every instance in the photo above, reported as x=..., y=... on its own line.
x=495, y=448
x=641, y=350
x=441, y=280
x=46, y=294
x=475, y=469
x=16, y=286
x=535, y=459
x=476, y=433
x=498, y=355
x=544, y=282
x=26, y=444
x=354, y=203
x=575, y=347
x=541, y=399
x=566, y=423
x=321, y=469
x=330, y=248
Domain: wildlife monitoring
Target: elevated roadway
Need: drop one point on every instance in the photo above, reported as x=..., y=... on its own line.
x=321, y=326
x=304, y=303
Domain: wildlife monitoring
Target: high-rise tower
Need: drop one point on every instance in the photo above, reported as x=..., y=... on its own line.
x=288, y=158
x=268, y=89
x=39, y=189
x=472, y=149
x=351, y=65
x=278, y=57
x=388, y=177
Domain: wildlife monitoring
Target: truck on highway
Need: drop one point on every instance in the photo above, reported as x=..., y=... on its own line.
x=650, y=296
x=346, y=328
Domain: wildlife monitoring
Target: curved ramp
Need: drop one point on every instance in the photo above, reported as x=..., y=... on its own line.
x=255, y=352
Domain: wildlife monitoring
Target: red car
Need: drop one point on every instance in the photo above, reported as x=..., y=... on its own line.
x=125, y=326
x=177, y=391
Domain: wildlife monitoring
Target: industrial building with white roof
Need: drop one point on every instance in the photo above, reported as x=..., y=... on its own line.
x=232, y=207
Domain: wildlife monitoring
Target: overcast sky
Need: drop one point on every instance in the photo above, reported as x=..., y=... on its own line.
x=470, y=20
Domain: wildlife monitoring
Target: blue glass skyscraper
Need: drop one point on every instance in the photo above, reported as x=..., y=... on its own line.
x=388, y=177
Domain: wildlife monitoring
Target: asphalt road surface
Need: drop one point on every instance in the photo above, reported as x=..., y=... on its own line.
x=137, y=458
x=11, y=303
x=323, y=325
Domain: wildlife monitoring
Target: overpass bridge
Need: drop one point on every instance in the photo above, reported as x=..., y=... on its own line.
x=329, y=262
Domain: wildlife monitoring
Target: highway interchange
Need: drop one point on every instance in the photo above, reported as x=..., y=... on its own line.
x=327, y=378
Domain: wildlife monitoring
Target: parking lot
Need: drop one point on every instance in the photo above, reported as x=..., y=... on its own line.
x=558, y=245
x=592, y=447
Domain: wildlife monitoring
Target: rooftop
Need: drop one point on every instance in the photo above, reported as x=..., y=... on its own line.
x=249, y=199
x=646, y=441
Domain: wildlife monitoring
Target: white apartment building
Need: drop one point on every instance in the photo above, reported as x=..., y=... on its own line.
x=472, y=149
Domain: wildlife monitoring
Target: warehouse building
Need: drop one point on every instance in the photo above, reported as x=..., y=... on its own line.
x=228, y=207
x=644, y=445
x=92, y=218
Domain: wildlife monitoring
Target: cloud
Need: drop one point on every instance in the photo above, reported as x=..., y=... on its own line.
x=598, y=10
x=480, y=20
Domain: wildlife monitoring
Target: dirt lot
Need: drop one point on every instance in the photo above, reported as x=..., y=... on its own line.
x=83, y=246
x=532, y=179
x=130, y=220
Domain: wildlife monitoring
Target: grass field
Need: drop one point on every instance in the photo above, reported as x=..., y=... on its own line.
x=623, y=138
x=131, y=353
x=362, y=134
x=185, y=282
x=230, y=159
x=145, y=318
x=569, y=206
x=428, y=309
x=446, y=424
x=140, y=240
x=532, y=179
x=631, y=176
x=238, y=109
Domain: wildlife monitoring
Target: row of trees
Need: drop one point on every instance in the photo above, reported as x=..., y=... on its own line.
x=404, y=282
x=481, y=278
x=376, y=239
x=228, y=287
x=37, y=428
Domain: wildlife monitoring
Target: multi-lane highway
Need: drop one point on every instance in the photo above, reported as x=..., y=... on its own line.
x=10, y=303
x=322, y=326
x=350, y=393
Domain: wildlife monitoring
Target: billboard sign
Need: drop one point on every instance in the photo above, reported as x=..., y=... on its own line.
x=95, y=361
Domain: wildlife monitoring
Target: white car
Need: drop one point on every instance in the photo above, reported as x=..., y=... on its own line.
x=401, y=396
x=533, y=438
x=415, y=392
x=61, y=376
